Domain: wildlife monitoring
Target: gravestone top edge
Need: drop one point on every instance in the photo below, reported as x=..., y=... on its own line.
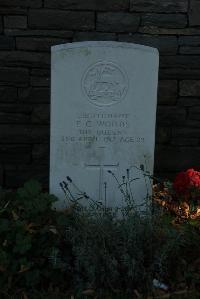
x=110, y=44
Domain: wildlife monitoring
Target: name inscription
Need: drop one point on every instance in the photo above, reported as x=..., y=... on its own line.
x=102, y=127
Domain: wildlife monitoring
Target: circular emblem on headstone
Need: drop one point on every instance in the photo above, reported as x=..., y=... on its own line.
x=105, y=83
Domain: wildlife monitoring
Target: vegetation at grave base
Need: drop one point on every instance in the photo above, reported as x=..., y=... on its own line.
x=94, y=252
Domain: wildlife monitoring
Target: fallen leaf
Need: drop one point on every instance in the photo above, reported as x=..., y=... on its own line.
x=15, y=216
x=89, y=292
x=137, y=294
x=23, y=269
x=5, y=243
x=163, y=296
x=53, y=230
x=2, y=269
x=31, y=228
x=24, y=296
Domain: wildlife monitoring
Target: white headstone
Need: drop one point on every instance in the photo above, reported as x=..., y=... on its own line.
x=103, y=113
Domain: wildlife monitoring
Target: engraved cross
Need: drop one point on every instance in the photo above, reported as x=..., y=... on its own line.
x=101, y=167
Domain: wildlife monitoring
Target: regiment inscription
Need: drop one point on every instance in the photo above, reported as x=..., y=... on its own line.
x=105, y=83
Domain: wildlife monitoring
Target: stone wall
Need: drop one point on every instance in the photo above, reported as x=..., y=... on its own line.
x=28, y=28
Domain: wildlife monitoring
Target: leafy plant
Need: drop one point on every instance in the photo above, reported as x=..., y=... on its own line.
x=27, y=236
x=90, y=252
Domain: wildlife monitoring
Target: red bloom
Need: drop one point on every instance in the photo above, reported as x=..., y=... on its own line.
x=181, y=182
x=184, y=181
x=194, y=177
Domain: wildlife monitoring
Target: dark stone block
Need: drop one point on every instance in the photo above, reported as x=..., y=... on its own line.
x=38, y=43
x=15, y=114
x=191, y=123
x=189, y=40
x=14, y=76
x=194, y=13
x=167, y=92
x=180, y=61
x=19, y=22
x=14, y=133
x=194, y=114
x=6, y=43
x=163, y=135
x=176, y=158
x=190, y=88
x=188, y=101
x=88, y=5
x=165, y=175
x=166, y=45
x=16, y=176
x=164, y=20
x=58, y=19
x=166, y=6
x=12, y=10
x=40, y=77
x=40, y=81
x=179, y=73
x=172, y=116
x=40, y=33
x=40, y=153
x=41, y=72
x=34, y=95
x=23, y=134
x=1, y=24
x=168, y=31
x=26, y=59
x=189, y=45
x=41, y=114
x=8, y=94
x=189, y=50
x=117, y=22
x=40, y=134
x=94, y=36
x=185, y=141
x=22, y=3
x=15, y=153
x=1, y=176
x=185, y=132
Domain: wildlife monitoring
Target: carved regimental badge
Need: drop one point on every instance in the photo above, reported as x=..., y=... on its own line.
x=105, y=83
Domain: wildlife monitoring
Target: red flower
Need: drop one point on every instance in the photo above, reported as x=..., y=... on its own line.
x=181, y=183
x=194, y=177
x=184, y=181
